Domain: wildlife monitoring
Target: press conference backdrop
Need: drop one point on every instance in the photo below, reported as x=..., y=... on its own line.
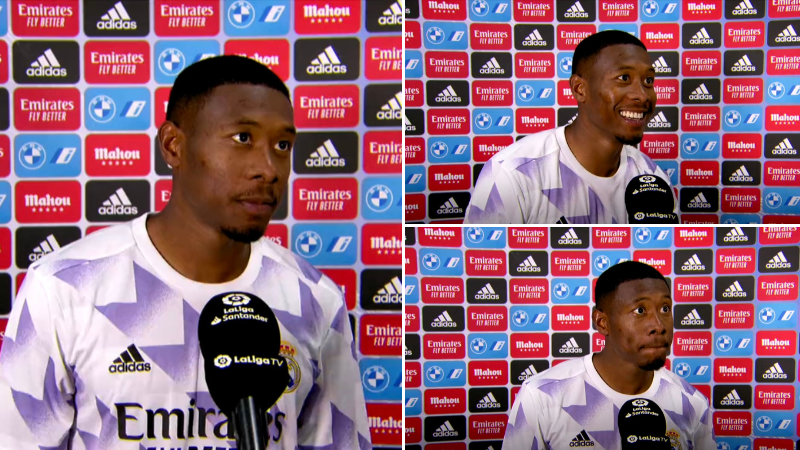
x=481, y=74
x=86, y=86
x=486, y=308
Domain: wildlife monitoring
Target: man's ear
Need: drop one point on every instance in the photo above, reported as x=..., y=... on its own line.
x=579, y=87
x=600, y=321
x=171, y=143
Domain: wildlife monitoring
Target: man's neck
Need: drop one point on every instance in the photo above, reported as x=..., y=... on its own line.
x=594, y=149
x=622, y=376
x=194, y=250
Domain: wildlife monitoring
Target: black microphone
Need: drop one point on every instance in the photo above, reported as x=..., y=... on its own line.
x=649, y=200
x=240, y=341
x=642, y=426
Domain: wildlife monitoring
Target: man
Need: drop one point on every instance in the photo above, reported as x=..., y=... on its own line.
x=578, y=173
x=134, y=293
x=579, y=400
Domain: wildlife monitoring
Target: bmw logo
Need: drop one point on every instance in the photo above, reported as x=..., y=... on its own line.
x=379, y=198
x=32, y=155
x=241, y=14
x=308, y=244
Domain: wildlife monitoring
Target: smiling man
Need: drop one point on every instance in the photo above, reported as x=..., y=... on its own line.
x=576, y=404
x=578, y=173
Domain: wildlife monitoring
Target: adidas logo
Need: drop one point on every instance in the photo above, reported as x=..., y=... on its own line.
x=450, y=207
x=446, y=430
x=701, y=93
x=699, y=201
x=570, y=238
x=49, y=245
x=389, y=293
x=701, y=37
x=116, y=18
x=392, y=110
x=787, y=35
x=407, y=123
x=581, y=440
x=528, y=265
x=444, y=321
x=571, y=346
x=693, y=318
x=745, y=8
x=529, y=372
x=129, y=361
x=661, y=66
x=659, y=121
x=325, y=156
x=489, y=401
x=784, y=147
x=118, y=204
x=775, y=373
x=693, y=263
x=487, y=293
x=742, y=175
x=392, y=16
x=46, y=65
x=779, y=262
x=326, y=62
x=743, y=65
x=534, y=39
x=492, y=67
x=576, y=11
x=734, y=290
x=732, y=399
x=448, y=95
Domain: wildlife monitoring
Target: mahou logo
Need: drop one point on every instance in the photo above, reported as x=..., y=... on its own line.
x=117, y=62
x=381, y=244
x=47, y=201
x=699, y=173
x=444, y=9
x=778, y=287
x=327, y=17
x=570, y=318
x=530, y=345
x=708, y=10
x=39, y=19
x=488, y=373
x=445, y=401
x=326, y=106
x=783, y=118
x=694, y=237
x=661, y=36
x=112, y=155
x=186, y=18
x=533, y=120
x=661, y=260
x=273, y=53
x=325, y=199
x=776, y=343
x=38, y=109
x=439, y=237
x=449, y=177
x=733, y=370
x=386, y=421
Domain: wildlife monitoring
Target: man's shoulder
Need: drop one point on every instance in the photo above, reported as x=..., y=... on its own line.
x=299, y=267
x=104, y=243
x=531, y=147
x=682, y=386
x=562, y=373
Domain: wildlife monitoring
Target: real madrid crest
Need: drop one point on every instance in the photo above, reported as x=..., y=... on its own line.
x=674, y=439
x=288, y=352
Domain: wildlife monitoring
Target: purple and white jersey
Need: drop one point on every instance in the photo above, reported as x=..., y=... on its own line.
x=537, y=180
x=569, y=406
x=101, y=353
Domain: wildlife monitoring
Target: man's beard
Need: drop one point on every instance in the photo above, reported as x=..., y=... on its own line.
x=654, y=365
x=245, y=235
x=632, y=141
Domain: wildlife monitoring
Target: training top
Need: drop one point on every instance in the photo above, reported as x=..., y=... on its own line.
x=101, y=352
x=569, y=406
x=537, y=180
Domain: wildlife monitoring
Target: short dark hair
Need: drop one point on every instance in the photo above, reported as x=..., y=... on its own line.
x=609, y=281
x=587, y=50
x=195, y=83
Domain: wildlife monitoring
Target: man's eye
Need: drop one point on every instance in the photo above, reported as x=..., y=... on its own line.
x=639, y=310
x=650, y=80
x=665, y=308
x=242, y=138
x=283, y=146
x=624, y=76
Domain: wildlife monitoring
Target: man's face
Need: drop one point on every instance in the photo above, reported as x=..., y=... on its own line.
x=620, y=94
x=640, y=323
x=236, y=159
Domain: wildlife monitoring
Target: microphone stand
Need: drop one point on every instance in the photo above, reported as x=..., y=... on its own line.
x=250, y=425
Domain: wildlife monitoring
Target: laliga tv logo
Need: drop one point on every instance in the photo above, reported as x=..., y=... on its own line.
x=242, y=14
x=236, y=300
x=222, y=361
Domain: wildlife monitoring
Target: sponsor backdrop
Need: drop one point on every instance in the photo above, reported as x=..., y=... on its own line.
x=86, y=85
x=481, y=74
x=486, y=308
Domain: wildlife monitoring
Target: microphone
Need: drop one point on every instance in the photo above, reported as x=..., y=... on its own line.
x=649, y=200
x=240, y=341
x=642, y=426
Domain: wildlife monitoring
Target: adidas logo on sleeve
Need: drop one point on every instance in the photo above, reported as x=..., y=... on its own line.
x=129, y=361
